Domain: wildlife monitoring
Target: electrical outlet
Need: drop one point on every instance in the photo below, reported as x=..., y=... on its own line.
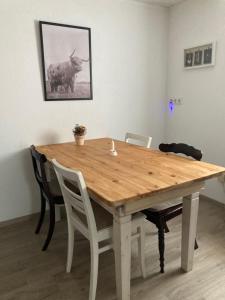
x=173, y=100
x=177, y=101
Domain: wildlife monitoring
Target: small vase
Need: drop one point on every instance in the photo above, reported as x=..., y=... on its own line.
x=79, y=139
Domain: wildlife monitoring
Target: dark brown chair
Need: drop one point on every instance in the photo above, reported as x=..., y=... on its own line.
x=164, y=212
x=49, y=191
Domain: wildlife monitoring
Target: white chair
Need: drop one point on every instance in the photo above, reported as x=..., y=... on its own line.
x=143, y=140
x=94, y=222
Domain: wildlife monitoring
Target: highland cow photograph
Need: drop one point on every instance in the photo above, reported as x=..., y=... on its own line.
x=66, y=59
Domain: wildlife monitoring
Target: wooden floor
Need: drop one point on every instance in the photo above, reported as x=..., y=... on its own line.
x=27, y=273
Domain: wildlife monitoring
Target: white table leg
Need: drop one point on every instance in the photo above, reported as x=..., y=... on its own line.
x=122, y=250
x=189, y=226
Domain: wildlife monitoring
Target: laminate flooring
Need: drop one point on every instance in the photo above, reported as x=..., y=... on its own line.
x=27, y=273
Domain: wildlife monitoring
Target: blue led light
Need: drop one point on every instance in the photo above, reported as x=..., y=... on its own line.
x=171, y=106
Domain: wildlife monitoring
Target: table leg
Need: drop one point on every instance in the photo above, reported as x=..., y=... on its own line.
x=189, y=226
x=122, y=250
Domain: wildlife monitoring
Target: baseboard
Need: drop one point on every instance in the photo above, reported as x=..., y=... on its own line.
x=19, y=220
x=206, y=198
x=29, y=218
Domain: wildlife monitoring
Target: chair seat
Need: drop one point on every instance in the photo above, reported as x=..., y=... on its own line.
x=103, y=218
x=54, y=187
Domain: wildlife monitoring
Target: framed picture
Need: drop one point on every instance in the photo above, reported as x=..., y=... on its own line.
x=189, y=59
x=201, y=56
x=208, y=55
x=66, y=60
x=198, y=58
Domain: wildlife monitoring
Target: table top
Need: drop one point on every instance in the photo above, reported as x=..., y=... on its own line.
x=135, y=173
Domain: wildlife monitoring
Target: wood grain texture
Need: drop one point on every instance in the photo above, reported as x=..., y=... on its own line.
x=135, y=173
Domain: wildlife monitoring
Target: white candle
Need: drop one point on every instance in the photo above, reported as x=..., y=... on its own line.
x=113, y=150
x=113, y=146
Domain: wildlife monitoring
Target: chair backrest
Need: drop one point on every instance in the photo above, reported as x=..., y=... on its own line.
x=39, y=161
x=182, y=149
x=77, y=202
x=144, y=140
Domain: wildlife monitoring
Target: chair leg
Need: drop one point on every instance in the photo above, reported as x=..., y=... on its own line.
x=70, y=247
x=161, y=245
x=51, y=225
x=141, y=249
x=166, y=228
x=94, y=271
x=42, y=214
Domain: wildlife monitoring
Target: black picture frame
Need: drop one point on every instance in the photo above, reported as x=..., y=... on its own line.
x=67, y=71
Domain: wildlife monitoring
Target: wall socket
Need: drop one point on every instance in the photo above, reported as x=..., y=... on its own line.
x=177, y=101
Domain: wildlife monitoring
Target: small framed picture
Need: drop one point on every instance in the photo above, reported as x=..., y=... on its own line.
x=200, y=57
x=189, y=59
x=208, y=56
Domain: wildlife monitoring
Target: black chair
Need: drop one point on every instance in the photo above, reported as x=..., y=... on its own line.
x=49, y=191
x=164, y=212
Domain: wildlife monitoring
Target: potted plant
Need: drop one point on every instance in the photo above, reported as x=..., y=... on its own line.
x=79, y=132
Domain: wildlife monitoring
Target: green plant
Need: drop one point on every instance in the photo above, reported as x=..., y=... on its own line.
x=79, y=130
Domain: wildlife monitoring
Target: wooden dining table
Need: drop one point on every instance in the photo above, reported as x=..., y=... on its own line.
x=136, y=179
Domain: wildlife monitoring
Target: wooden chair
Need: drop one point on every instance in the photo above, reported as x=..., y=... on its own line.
x=143, y=140
x=164, y=212
x=50, y=192
x=94, y=222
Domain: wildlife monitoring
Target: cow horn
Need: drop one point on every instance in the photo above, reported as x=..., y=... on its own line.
x=73, y=52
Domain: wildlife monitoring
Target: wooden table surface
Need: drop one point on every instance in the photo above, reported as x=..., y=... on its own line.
x=135, y=173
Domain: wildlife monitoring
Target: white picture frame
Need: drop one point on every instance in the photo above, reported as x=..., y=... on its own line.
x=203, y=56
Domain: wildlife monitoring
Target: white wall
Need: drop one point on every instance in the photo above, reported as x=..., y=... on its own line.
x=200, y=120
x=129, y=51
